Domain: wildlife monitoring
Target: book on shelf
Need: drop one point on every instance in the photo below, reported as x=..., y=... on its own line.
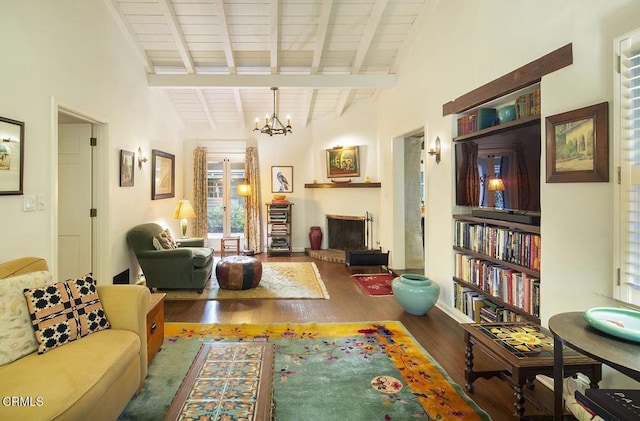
x=613, y=404
x=280, y=202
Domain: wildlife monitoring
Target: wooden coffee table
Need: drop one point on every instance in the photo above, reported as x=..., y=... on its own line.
x=522, y=351
x=227, y=378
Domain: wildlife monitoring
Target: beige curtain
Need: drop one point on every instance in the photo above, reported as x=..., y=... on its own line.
x=200, y=228
x=252, y=226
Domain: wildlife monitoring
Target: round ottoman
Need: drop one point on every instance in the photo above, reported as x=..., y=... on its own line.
x=239, y=272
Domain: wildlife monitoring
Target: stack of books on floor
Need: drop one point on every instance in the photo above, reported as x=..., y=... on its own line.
x=611, y=404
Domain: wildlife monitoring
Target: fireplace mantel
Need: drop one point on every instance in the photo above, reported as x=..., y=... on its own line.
x=340, y=185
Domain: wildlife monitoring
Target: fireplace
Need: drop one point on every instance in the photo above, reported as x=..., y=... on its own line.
x=346, y=232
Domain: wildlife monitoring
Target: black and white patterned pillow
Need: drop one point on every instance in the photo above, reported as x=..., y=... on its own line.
x=64, y=312
x=164, y=241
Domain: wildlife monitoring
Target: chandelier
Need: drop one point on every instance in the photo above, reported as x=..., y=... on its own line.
x=273, y=125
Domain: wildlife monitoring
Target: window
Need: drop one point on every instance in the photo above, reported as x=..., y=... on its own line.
x=627, y=138
x=225, y=209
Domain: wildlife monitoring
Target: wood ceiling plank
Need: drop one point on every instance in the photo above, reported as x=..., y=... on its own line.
x=226, y=39
x=321, y=35
x=287, y=80
x=130, y=34
x=178, y=37
x=274, y=30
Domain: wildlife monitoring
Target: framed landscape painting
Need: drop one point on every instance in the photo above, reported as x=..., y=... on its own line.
x=343, y=162
x=578, y=145
x=163, y=181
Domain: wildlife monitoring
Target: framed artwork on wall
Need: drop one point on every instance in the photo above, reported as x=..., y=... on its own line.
x=281, y=179
x=578, y=145
x=11, y=156
x=343, y=162
x=127, y=170
x=163, y=178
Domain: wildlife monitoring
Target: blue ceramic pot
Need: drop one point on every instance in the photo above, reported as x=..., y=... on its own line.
x=415, y=293
x=507, y=114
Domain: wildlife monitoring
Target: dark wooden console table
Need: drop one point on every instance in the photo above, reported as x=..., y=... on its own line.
x=573, y=331
x=522, y=351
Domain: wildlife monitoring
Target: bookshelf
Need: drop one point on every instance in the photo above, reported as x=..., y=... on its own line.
x=496, y=269
x=279, y=228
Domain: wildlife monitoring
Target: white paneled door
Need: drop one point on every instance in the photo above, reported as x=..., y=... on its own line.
x=74, y=200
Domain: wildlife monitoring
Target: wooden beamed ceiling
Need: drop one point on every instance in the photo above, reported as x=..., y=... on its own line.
x=217, y=59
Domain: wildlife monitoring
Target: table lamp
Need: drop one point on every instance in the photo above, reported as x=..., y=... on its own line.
x=184, y=212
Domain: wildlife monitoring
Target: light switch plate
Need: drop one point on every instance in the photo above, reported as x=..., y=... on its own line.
x=42, y=202
x=30, y=203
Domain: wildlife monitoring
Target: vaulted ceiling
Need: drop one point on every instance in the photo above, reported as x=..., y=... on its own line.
x=217, y=59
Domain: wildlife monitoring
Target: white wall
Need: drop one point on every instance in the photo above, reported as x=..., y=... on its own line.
x=72, y=54
x=458, y=52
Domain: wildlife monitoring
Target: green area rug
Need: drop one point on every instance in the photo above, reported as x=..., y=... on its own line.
x=346, y=371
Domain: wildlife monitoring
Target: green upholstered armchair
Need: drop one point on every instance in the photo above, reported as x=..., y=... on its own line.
x=179, y=268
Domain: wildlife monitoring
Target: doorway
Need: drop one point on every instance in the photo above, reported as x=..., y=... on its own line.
x=225, y=209
x=76, y=196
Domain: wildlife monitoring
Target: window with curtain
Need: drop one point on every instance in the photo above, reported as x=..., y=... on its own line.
x=627, y=137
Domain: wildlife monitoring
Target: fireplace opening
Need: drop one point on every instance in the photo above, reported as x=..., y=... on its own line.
x=346, y=232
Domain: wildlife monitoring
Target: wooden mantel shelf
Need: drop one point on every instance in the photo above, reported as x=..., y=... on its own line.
x=339, y=185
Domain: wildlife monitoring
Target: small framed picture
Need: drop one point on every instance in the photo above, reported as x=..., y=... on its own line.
x=163, y=178
x=11, y=156
x=578, y=145
x=343, y=162
x=281, y=179
x=127, y=169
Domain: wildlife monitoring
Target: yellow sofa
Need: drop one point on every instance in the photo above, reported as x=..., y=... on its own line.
x=92, y=378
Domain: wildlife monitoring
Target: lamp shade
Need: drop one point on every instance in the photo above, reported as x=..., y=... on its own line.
x=496, y=184
x=184, y=210
x=244, y=189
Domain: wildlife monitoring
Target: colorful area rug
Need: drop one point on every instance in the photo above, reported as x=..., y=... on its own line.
x=280, y=280
x=375, y=284
x=345, y=371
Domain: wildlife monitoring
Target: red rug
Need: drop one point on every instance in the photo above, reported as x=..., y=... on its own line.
x=375, y=284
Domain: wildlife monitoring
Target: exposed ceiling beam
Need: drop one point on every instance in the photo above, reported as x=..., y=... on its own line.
x=369, y=32
x=262, y=81
x=129, y=34
x=342, y=101
x=238, y=100
x=425, y=12
x=363, y=49
x=321, y=34
x=306, y=106
x=226, y=38
x=205, y=108
x=176, y=34
x=275, y=35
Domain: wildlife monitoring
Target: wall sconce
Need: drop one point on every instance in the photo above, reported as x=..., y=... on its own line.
x=141, y=158
x=436, y=150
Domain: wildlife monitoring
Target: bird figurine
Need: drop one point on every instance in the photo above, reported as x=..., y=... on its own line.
x=284, y=183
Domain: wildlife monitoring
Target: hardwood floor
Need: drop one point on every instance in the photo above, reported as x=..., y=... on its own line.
x=440, y=335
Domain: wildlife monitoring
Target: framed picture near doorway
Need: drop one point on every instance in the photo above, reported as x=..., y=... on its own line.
x=126, y=168
x=163, y=180
x=11, y=156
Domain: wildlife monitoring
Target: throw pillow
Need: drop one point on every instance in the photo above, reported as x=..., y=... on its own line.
x=65, y=311
x=164, y=241
x=16, y=333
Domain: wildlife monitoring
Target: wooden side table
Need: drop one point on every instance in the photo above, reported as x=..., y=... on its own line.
x=523, y=350
x=155, y=325
x=573, y=331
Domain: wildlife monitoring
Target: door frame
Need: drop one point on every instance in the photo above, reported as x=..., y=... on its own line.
x=100, y=237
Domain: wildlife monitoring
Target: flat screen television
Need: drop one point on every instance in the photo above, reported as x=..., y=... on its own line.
x=511, y=156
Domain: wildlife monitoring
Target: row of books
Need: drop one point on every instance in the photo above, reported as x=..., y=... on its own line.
x=279, y=243
x=513, y=287
x=278, y=216
x=528, y=104
x=611, y=404
x=481, y=118
x=521, y=248
x=279, y=229
x=480, y=309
